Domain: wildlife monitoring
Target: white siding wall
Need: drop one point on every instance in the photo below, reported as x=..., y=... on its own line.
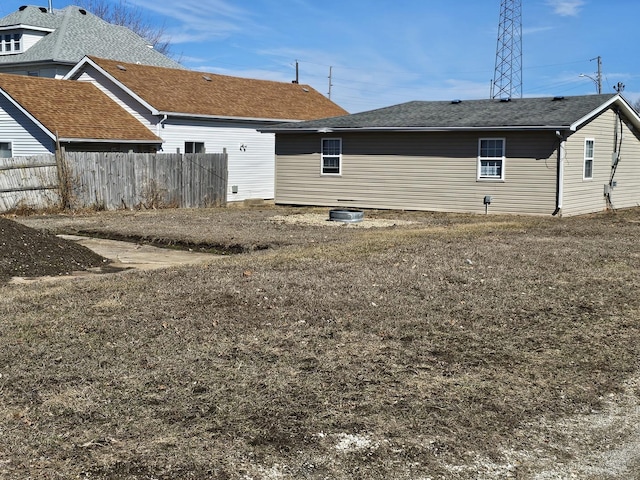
x=30, y=38
x=25, y=137
x=122, y=98
x=419, y=171
x=251, y=169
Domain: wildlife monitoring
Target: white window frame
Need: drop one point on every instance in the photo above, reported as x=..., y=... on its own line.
x=10, y=148
x=11, y=42
x=486, y=159
x=324, y=157
x=588, y=159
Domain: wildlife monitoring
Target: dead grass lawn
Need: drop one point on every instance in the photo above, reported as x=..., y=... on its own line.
x=450, y=348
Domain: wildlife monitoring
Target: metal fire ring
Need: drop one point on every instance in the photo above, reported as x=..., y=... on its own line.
x=346, y=216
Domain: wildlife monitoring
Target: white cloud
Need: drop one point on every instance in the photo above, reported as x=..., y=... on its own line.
x=201, y=20
x=566, y=8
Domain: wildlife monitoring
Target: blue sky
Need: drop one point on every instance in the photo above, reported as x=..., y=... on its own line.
x=384, y=52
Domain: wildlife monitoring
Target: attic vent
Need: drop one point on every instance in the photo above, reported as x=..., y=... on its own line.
x=505, y=100
x=206, y=77
x=43, y=9
x=455, y=102
x=121, y=67
x=557, y=99
x=305, y=89
x=22, y=8
x=82, y=11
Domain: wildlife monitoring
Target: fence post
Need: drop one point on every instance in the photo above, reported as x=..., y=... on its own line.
x=64, y=182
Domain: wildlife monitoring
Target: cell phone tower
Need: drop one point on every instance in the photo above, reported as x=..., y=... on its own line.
x=507, y=78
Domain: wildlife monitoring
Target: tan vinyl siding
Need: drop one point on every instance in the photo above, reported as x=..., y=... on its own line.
x=586, y=196
x=419, y=171
x=627, y=191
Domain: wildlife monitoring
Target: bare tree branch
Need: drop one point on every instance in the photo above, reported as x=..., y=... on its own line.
x=132, y=18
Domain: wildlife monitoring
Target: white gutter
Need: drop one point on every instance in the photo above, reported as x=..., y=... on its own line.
x=223, y=117
x=160, y=125
x=101, y=140
x=560, y=171
x=414, y=129
x=27, y=27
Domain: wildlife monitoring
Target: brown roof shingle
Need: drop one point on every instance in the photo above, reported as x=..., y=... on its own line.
x=198, y=93
x=76, y=110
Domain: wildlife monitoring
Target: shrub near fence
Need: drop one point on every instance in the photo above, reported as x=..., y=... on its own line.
x=116, y=180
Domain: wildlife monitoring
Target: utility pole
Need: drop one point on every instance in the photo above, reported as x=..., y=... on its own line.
x=507, y=79
x=599, y=74
x=330, y=84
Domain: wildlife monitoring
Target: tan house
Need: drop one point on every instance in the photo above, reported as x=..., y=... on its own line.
x=543, y=156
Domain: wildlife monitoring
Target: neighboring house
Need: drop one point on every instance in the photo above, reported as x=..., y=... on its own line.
x=37, y=42
x=198, y=112
x=35, y=113
x=562, y=155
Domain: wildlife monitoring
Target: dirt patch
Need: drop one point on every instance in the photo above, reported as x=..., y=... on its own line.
x=27, y=252
x=319, y=219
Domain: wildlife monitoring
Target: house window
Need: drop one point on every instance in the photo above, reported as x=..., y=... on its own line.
x=194, y=147
x=588, y=158
x=491, y=159
x=11, y=42
x=331, y=156
x=5, y=150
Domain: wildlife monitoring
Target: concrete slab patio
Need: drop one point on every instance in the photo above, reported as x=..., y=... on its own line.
x=139, y=256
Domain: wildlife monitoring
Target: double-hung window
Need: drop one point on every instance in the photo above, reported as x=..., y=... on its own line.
x=589, y=144
x=491, y=157
x=5, y=150
x=331, y=156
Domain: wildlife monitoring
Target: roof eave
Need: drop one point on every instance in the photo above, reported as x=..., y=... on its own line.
x=28, y=114
x=27, y=27
x=86, y=60
x=108, y=140
x=415, y=129
x=225, y=117
x=618, y=99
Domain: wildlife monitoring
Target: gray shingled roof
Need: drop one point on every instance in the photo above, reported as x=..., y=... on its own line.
x=79, y=33
x=544, y=113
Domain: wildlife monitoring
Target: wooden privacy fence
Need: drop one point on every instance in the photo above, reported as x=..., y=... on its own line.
x=28, y=181
x=114, y=180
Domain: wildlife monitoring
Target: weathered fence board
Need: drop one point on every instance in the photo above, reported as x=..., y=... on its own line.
x=30, y=182
x=116, y=180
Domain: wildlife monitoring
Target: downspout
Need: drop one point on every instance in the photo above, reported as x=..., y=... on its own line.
x=160, y=124
x=560, y=172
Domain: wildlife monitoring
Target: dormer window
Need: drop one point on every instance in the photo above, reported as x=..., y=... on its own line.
x=10, y=43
